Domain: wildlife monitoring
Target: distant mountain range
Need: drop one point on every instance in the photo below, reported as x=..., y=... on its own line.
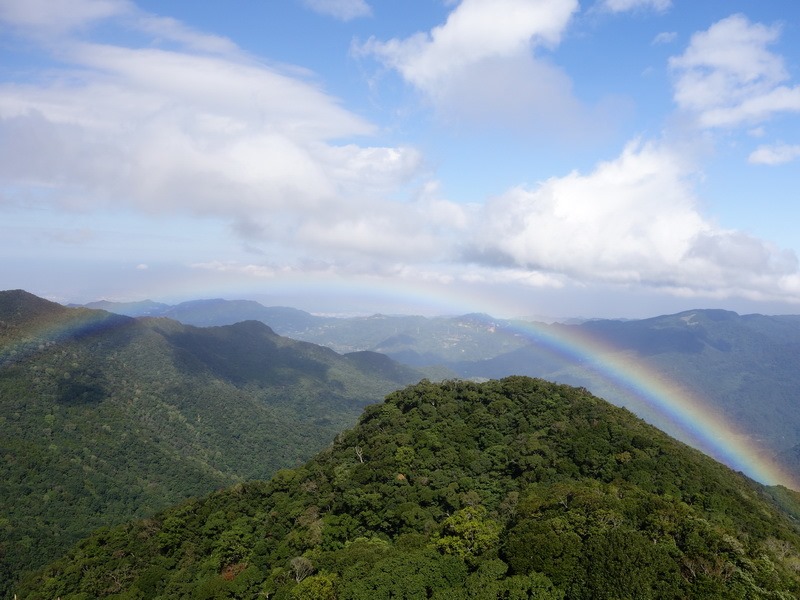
x=744, y=367
x=105, y=417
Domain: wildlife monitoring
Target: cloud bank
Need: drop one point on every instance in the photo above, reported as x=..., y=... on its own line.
x=194, y=126
x=632, y=220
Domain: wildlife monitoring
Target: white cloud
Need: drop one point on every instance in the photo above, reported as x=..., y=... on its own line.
x=632, y=220
x=202, y=129
x=142, y=267
x=618, y=6
x=474, y=31
x=728, y=77
x=52, y=16
x=344, y=10
x=480, y=64
x=665, y=37
x=174, y=131
x=173, y=30
x=775, y=154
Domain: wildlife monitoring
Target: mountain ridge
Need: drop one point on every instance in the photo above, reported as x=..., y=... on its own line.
x=727, y=360
x=106, y=417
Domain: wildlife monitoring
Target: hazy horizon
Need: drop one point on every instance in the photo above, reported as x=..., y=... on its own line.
x=346, y=308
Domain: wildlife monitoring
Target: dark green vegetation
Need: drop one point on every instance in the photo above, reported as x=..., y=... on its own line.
x=746, y=367
x=104, y=418
x=510, y=489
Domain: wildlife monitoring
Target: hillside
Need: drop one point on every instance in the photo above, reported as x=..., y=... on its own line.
x=104, y=418
x=414, y=340
x=510, y=489
x=216, y=311
x=746, y=367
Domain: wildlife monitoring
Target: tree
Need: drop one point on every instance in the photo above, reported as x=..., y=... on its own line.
x=468, y=533
x=302, y=568
x=316, y=587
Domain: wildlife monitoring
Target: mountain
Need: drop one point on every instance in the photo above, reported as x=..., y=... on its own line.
x=414, y=340
x=144, y=308
x=105, y=417
x=517, y=488
x=216, y=311
x=745, y=367
x=203, y=313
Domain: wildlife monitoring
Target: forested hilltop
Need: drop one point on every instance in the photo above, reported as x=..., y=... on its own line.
x=104, y=418
x=516, y=488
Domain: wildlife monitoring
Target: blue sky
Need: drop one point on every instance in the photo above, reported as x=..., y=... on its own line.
x=601, y=158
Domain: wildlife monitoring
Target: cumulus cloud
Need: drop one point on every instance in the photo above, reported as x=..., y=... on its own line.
x=632, y=220
x=728, y=76
x=618, y=6
x=775, y=154
x=344, y=10
x=481, y=65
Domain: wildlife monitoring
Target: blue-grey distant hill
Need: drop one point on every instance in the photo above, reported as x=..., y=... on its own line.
x=747, y=367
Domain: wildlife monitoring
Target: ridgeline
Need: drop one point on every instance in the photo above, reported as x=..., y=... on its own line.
x=105, y=418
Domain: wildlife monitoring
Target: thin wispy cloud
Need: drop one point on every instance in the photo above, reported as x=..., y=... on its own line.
x=48, y=17
x=775, y=154
x=665, y=37
x=619, y=6
x=344, y=10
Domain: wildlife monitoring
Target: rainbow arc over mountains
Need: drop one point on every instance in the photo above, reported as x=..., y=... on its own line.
x=680, y=412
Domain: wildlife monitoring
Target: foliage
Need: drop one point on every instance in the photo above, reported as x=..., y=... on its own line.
x=742, y=365
x=104, y=418
x=517, y=488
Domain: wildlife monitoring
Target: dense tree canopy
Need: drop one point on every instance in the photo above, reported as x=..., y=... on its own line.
x=104, y=418
x=515, y=488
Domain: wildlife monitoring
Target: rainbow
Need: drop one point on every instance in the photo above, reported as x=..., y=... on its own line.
x=81, y=324
x=672, y=407
x=626, y=379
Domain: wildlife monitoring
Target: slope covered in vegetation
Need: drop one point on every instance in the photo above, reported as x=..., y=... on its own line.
x=517, y=488
x=104, y=418
x=743, y=366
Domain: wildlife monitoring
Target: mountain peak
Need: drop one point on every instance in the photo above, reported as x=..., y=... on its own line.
x=17, y=307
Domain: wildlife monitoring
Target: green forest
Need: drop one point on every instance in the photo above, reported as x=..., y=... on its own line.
x=105, y=418
x=509, y=489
